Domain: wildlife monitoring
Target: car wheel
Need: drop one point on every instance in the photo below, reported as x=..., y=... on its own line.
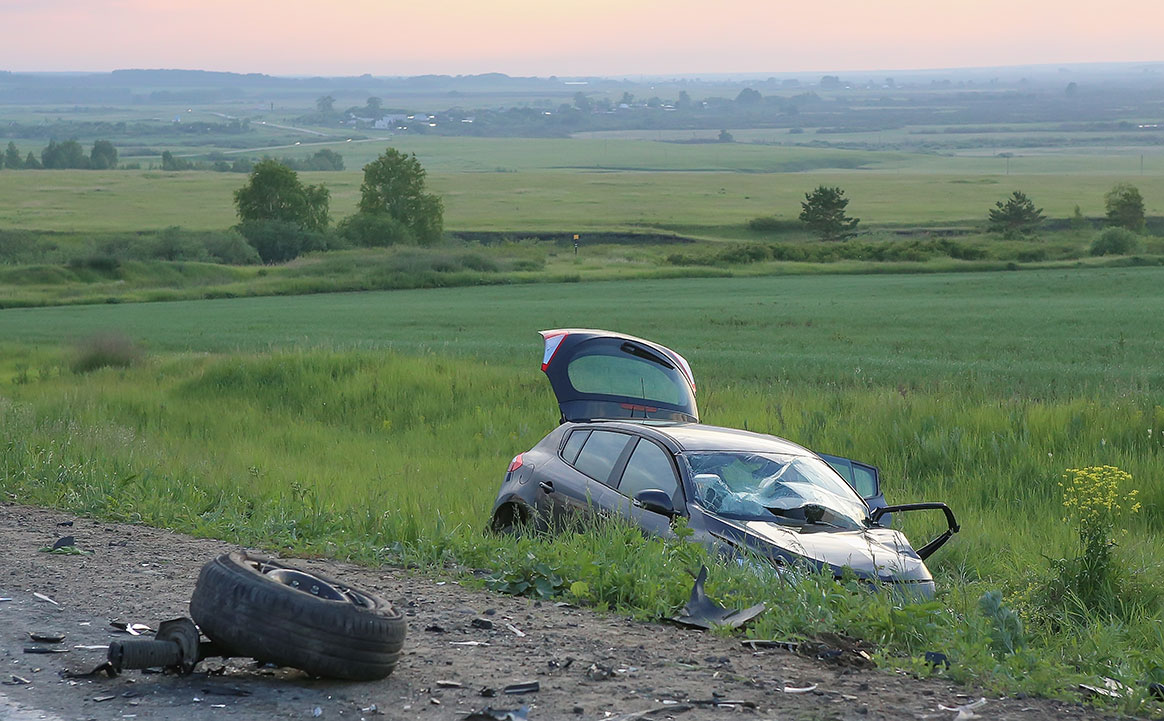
x=513, y=519
x=253, y=606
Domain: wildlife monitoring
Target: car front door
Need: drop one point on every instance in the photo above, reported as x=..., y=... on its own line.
x=649, y=466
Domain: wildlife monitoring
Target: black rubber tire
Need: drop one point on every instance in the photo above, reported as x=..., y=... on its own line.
x=248, y=614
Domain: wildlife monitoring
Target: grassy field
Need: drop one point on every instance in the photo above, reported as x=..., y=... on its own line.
x=377, y=426
x=580, y=185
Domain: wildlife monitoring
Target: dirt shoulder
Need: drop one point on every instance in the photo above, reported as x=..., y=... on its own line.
x=144, y=575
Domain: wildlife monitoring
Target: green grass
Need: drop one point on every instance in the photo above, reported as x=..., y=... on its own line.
x=377, y=426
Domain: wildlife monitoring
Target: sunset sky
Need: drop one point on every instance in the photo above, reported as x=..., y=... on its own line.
x=568, y=37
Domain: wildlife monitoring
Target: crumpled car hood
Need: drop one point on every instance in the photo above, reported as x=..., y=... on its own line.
x=872, y=553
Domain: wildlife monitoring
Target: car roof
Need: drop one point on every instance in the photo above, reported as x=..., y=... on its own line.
x=700, y=437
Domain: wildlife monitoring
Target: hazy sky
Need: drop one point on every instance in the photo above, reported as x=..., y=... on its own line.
x=571, y=37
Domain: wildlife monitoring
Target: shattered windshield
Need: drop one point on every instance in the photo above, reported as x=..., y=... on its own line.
x=799, y=490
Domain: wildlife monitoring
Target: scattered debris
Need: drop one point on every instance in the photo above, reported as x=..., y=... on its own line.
x=434, y=628
x=719, y=702
x=482, y=623
x=800, y=689
x=373, y=709
x=317, y=712
x=756, y=644
x=674, y=708
x=44, y=649
x=65, y=524
x=43, y=637
x=449, y=684
x=487, y=692
x=966, y=710
x=702, y=612
x=556, y=665
x=17, y=681
x=491, y=714
x=516, y=631
x=935, y=659
x=598, y=672
x=1156, y=691
x=468, y=643
x=99, y=699
x=2, y=600
x=1110, y=689
x=43, y=597
x=522, y=688
x=133, y=629
x=226, y=691
x=64, y=542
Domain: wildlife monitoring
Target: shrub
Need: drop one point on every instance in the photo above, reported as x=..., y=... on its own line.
x=772, y=224
x=1114, y=241
x=741, y=253
x=106, y=350
x=277, y=241
x=100, y=262
x=231, y=248
x=374, y=230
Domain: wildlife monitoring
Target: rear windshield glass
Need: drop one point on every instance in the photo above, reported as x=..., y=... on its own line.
x=619, y=372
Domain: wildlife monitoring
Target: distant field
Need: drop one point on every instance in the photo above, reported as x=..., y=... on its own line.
x=937, y=190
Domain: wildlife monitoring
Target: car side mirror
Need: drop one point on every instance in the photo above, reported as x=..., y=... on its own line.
x=656, y=501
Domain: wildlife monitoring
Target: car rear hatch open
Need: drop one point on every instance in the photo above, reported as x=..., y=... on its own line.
x=599, y=375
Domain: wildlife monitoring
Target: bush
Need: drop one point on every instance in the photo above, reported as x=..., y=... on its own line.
x=100, y=262
x=772, y=224
x=106, y=350
x=231, y=248
x=752, y=253
x=374, y=230
x=277, y=241
x=1114, y=241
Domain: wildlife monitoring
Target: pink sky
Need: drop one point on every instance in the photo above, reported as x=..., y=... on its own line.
x=568, y=37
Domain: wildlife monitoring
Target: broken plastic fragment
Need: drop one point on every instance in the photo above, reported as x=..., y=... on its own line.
x=43, y=597
x=520, y=688
x=702, y=612
x=966, y=710
x=490, y=714
x=43, y=637
x=800, y=689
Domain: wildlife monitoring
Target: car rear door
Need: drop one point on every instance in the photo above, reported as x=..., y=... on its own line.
x=600, y=375
x=592, y=456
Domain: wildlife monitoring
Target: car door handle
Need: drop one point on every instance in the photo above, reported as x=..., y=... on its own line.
x=546, y=486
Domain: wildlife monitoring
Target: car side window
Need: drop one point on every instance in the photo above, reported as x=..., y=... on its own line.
x=864, y=480
x=650, y=467
x=599, y=454
x=573, y=445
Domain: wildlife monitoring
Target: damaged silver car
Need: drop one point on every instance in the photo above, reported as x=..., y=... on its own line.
x=630, y=444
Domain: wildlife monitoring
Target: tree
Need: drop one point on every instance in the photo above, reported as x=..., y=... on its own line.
x=1125, y=207
x=823, y=211
x=1017, y=216
x=582, y=102
x=31, y=163
x=103, y=156
x=325, y=104
x=169, y=162
x=626, y=99
x=725, y=137
x=748, y=96
x=273, y=193
x=64, y=156
x=12, y=157
x=374, y=105
x=324, y=159
x=684, y=100
x=394, y=186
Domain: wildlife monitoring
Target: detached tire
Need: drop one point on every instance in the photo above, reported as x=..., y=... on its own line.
x=253, y=606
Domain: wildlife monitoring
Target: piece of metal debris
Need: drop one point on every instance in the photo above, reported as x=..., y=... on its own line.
x=133, y=629
x=43, y=637
x=17, y=681
x=500, y=714
x=702, y=612
x=966, y=710
x=1110, y=689
x=674, y=708
x=800, y=689
x=43, y=597
x=44, y=649
x=64, y=542
x=2, y=600
x=482, y=623
x=448, y=684
x=1156, y=691
x=468, y=643
x=99, y=699
x=936, y=659
x=598, y=672
x=521, y=688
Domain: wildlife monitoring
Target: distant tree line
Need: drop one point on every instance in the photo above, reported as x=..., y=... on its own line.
x=67, y=155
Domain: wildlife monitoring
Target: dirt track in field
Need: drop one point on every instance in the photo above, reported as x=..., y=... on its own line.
x=588, y=665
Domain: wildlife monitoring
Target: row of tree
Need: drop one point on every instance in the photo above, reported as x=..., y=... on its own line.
x=823, y=213
x=62, y=156
x=282, y=218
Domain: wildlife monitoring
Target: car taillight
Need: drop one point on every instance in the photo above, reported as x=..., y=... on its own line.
x=515, y=463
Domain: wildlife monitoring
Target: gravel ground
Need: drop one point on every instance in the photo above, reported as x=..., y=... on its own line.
x=587, y=665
